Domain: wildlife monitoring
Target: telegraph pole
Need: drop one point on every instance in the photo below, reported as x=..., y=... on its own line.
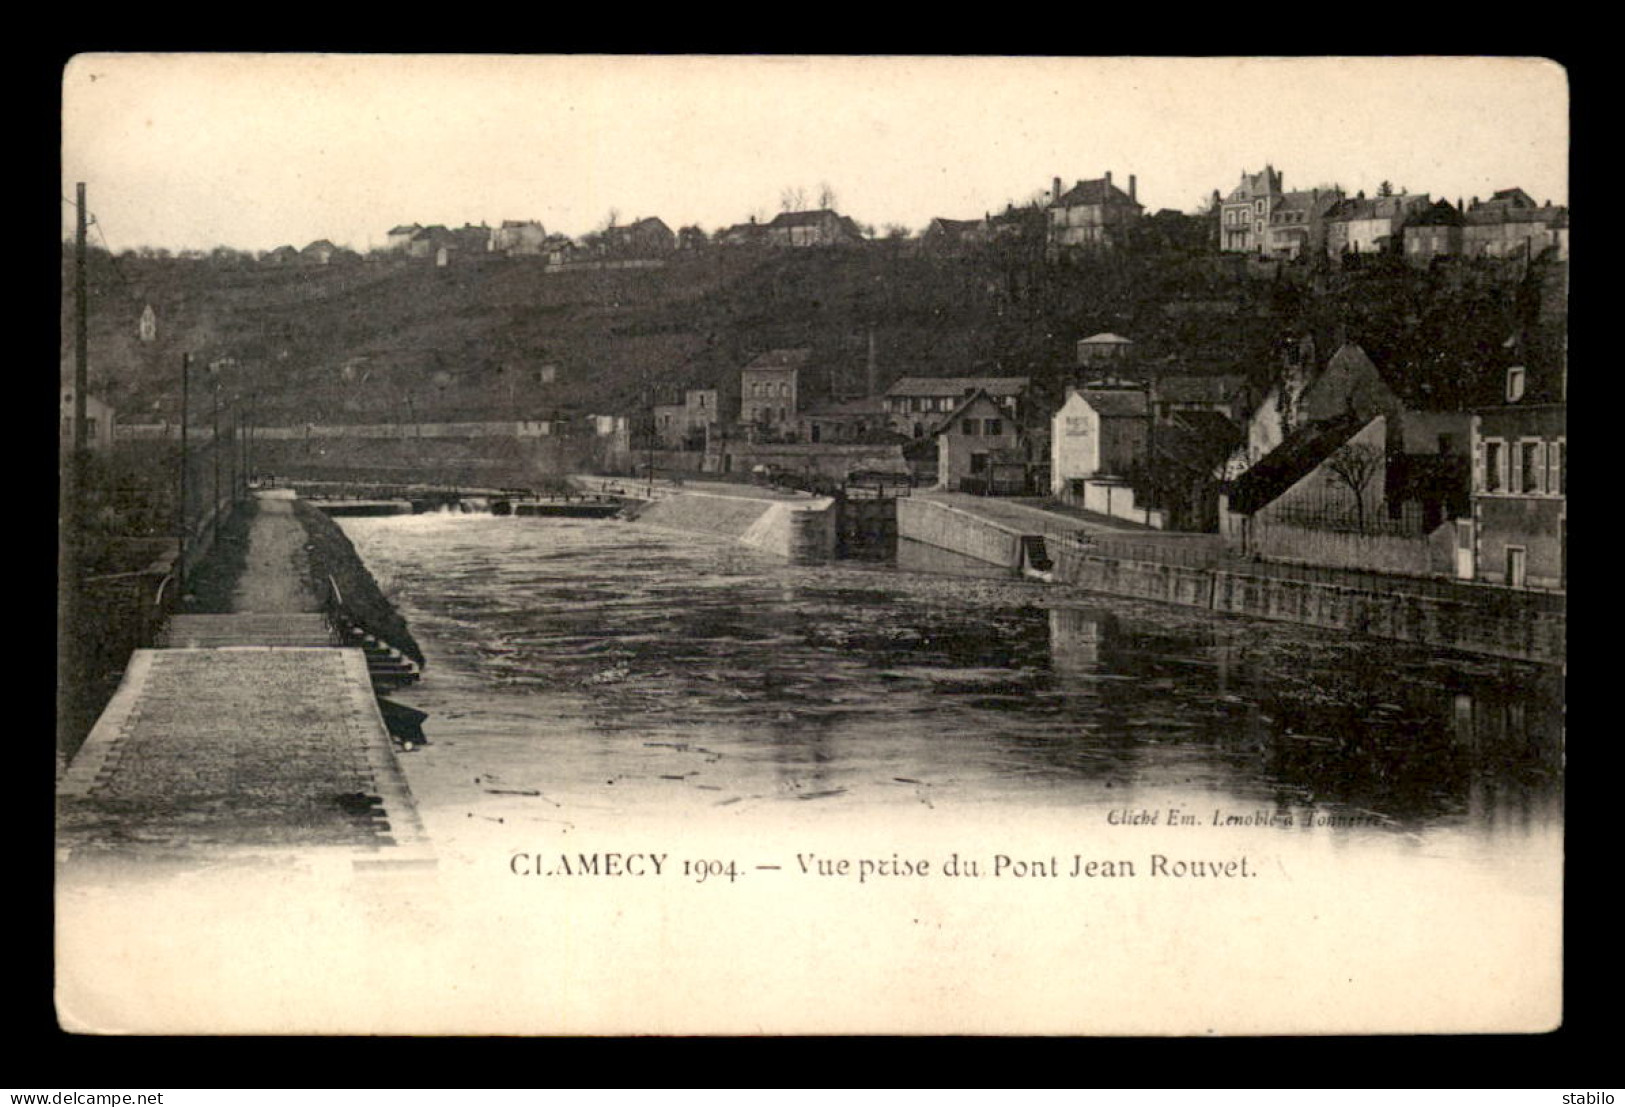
x=186, y=376
x=70, y=538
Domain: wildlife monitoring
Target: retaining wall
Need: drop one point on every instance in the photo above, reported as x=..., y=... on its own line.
x=949, y=528
x=1501, y=624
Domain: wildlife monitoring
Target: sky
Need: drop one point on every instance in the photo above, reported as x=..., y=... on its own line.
x=253, y=151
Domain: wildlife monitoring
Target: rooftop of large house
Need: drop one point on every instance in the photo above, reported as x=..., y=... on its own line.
x=957, y=386
x=811, y=218
x=1264, y=182
x=780, y=359
x=1375, y=207
x=1098, y=191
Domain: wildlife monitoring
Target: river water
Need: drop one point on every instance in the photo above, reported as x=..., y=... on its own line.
x=601, y=667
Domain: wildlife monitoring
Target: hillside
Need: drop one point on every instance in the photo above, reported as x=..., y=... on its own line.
x=387, y=341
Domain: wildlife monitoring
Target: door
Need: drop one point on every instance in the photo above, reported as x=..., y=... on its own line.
x=1515, y=566
x=1464, y=550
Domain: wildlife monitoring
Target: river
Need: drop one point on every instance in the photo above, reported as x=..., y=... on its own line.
x=599, y=668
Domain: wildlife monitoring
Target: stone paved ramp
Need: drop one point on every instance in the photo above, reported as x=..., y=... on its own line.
x=218, y=755
x=194, y=632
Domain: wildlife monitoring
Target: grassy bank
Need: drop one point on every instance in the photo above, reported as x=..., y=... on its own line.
x=332, y=555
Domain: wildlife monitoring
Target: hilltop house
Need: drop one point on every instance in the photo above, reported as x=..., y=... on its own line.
x=1244, y=215
x=1091, y=215
x=917, y=406
x=519, y=238
x=282, y=255
x=319, y=252
x=744, y=234
x=426, y=242
x=1510, y=222
x=1261, y=217
x=642, y=238
x=1434, y=232
x=812, y=228
x=400, y=237
x=1371, y=226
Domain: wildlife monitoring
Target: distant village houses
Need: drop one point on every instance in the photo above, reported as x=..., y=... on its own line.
x=642, y=238
x=812, y=228
x=917, y=406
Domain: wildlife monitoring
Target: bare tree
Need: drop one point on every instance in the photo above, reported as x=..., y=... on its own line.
x=1386, y=188
x=1354, y=465
x=897, y=231
x=826, y=196
x=793, y=198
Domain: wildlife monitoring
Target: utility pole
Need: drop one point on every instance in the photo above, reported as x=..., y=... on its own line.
x=70, y=537
x=214, y=448
x=186, y=377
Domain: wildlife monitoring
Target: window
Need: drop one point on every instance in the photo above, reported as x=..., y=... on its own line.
x=784, y=388
x=1528, y=466
x=1557, y=477
x=968, y=427
x=1515, y=378
x=978, y=463
x=1492, y=467
x=992, y=427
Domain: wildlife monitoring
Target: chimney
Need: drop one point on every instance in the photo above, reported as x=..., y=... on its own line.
x=1108, y=178
x=1131, y=186
x=1055, y=191
x=1280, y=180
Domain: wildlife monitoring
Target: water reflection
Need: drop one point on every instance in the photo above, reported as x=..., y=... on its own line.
x=669, y=662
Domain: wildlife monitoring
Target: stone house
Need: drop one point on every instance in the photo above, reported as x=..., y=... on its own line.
x=1371, y=226
x=1510, y=223
x=861, y=420
x=1091, y=215
x=916, y=406
x=978, y=430
x=648, y=237
x=1244, y=215
x=282, y=255
x=400, y=237
x=1434, y=232
x=1297, y=222
x=744, y=234
x=769, y=391
x=812, y=228
x=319, y=252
x=1519, y=528
x=1097, y=432
x=99, y=417
x=1223, y=395
x=519, y=238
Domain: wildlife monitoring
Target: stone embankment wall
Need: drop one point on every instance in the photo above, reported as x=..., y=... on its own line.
x=1500, y=623
x=948, y=528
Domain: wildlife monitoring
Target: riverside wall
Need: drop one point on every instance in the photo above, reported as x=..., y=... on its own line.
x=1497, y=622
x=949, y=528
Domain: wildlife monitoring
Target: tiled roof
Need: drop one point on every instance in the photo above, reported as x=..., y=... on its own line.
x=1290, y=462
x=1097, y=191
x=1305, y=201
x=780, y=359
x=1376, y=207
x=1441, y=214
x=957, y=386
x=405, y=228
x=803, y=218
x=951, y=420
x=1115, y=402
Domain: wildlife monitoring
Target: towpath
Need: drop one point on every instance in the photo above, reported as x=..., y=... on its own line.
x=251, y=736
